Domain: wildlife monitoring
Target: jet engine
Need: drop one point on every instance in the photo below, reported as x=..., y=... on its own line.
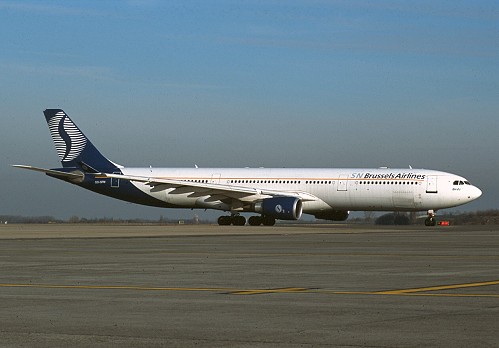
x=283, y=208
x=334, y=215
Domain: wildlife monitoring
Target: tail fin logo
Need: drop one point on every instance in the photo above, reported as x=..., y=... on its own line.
x=68, y=139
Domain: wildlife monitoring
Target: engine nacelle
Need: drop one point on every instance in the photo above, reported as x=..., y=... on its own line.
x=283, y=208
x=334, y=215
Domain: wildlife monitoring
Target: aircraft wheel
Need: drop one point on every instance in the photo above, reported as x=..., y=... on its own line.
x=224, y=220
x=238, y=220
x=268, y=221
x=430, y=222
x=255, y=220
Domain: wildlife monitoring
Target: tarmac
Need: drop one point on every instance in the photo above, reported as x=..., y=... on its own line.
x=223, y=286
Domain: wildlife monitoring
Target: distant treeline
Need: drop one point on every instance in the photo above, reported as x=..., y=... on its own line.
x=483, y=217
x=18, y=219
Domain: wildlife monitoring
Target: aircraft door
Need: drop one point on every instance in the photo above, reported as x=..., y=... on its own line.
x=215, y=178
x=115, y=182
x=431, y=184
x=343, y=182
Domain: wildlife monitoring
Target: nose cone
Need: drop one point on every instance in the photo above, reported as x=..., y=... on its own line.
x=474, y=193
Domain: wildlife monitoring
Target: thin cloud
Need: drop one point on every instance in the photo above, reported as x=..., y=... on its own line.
x=46, y=9
x=383, y=43
x=100, y=74
x=90, y=72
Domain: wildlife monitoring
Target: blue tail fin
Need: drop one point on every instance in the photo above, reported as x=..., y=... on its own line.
x=73, y=147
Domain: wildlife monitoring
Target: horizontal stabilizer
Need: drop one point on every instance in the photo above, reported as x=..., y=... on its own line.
x=57, y=173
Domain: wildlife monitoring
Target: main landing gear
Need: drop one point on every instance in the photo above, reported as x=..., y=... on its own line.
x=238, y=220
x=261, y=220
x=430, y=220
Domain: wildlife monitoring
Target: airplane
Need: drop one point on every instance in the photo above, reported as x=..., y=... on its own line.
x=269, y=193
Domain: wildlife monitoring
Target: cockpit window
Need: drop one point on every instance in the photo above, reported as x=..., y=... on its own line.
x=460, y=182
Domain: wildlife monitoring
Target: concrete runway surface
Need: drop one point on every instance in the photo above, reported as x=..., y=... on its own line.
x=282, y=286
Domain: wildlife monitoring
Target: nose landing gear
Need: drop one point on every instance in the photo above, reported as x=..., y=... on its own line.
x=430, y=220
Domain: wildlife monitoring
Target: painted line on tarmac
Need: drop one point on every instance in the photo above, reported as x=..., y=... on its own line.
x=424, y=291
x=114, y=287
x=147, y=288
x=437, y=288
x=270, y=291
x=381, y=293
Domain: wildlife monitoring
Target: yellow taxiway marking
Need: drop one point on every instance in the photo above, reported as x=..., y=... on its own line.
x=380, y=293
x=147, y=288
x=423, y=291
x=270, y=291
x=437, y=288
x=113, y=287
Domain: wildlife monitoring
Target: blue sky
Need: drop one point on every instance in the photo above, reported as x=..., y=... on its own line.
x=248, y=83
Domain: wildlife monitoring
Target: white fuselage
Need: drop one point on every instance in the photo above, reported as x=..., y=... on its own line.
x=382, y=189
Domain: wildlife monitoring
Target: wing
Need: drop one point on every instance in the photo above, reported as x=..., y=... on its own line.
x=215, y=191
